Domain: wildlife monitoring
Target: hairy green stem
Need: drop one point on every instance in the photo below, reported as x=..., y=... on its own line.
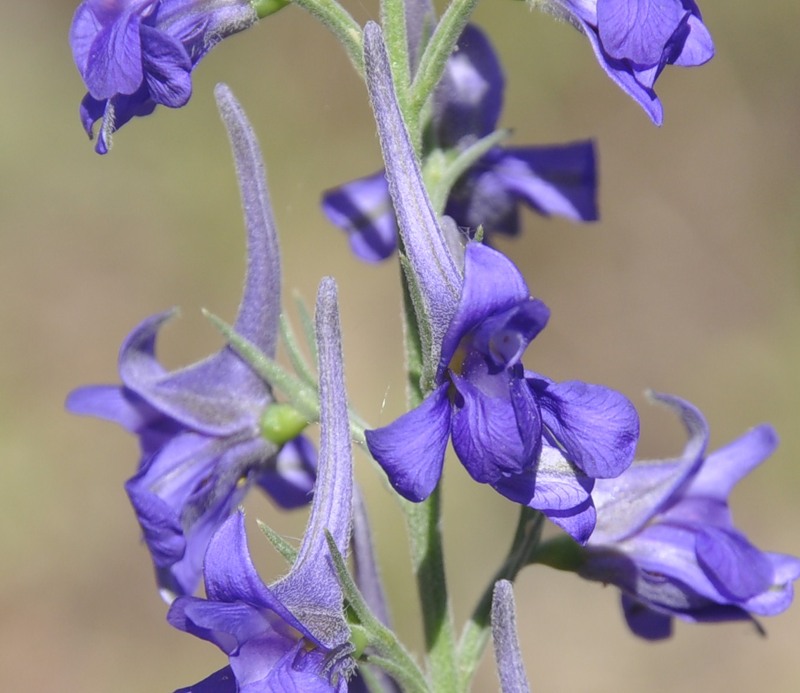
x=339, y=21
x=437, y=52
x=477, y=630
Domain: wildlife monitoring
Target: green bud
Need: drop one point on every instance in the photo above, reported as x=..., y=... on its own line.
x=264, y=8
x=280, y=423
x=359, y=638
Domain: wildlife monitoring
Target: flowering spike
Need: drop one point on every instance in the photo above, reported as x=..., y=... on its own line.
x=510, y=667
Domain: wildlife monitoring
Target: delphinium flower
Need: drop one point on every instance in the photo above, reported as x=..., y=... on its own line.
x=537, y=442
x=135, y=54
x=553, y=180
x=665, y=536
x=202, y=428
x=634, y=40
x=293, y=634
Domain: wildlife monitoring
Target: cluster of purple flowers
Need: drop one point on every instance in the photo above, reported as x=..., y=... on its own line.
x=659, y=530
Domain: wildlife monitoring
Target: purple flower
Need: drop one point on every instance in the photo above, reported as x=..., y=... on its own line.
x=199, y=428
x=537, y=442
x=291, y=635
x=634, y=40
x=135, y=54
x=665, y=536
x=553, y=180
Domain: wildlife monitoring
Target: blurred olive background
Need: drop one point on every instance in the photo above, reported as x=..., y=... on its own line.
x=689, y=285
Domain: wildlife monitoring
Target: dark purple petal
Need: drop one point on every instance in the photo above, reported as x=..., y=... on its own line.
x=290, y=482
x=558, y=180
x=495, y=437
x=501, y=339
x=644, y=622
x=363, y=210
x=222, y=681
x=411, y=449
x=481, y=198
x=434, y=271
x=468, y=99
x=597, y=427
x=160, y=525
x=167, y=68
x=492, y=285
x=638, y=30
x=736, y=567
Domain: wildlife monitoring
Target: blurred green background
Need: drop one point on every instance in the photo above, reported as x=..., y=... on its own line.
x=689, y=285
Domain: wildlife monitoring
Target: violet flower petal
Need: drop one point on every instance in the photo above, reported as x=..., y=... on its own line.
x=492, y=285
x=363, y=210
x=492, y=436
x=411, y=449
x=167, y=68
x=644, y=622
x=597, y=427
x=556, y=180
x=638, y=29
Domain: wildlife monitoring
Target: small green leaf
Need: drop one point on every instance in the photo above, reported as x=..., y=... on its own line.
x=283, y=547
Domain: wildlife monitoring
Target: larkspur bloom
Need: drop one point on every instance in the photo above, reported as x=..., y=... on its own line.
x=136, y=54
x=665, y=536
x=634, y=40
x=200, y=428
x=553, y=180
x=293, y=634
x=536, y=442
